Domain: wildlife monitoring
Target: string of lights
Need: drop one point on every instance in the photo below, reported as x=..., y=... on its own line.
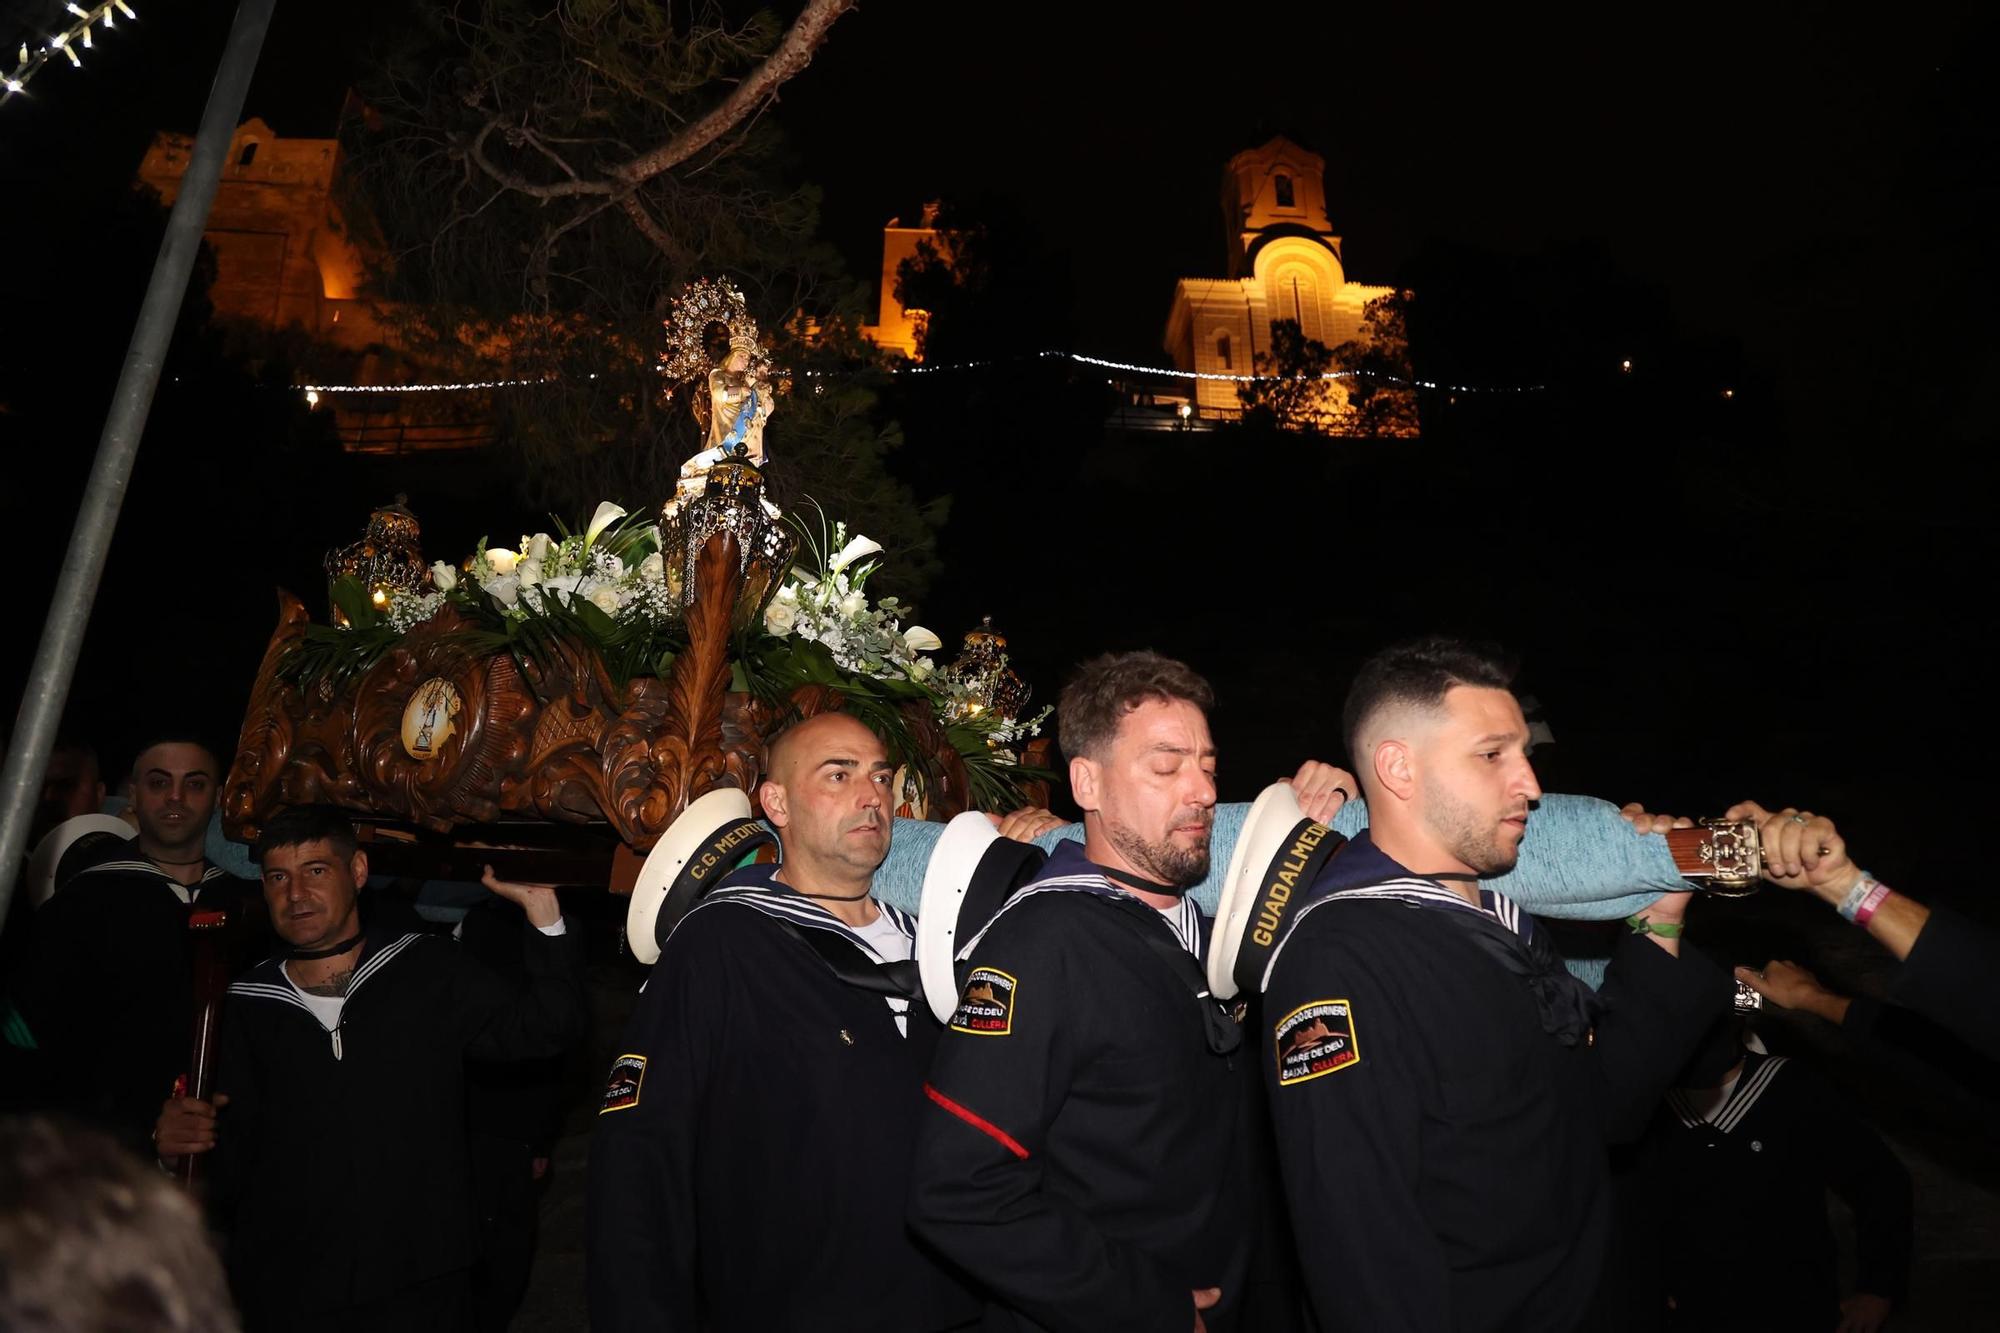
x=65, y=43
x=1079, y=358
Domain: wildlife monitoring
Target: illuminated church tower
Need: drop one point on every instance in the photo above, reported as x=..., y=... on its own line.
x=1284, y=262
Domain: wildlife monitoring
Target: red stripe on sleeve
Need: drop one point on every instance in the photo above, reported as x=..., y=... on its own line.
x=978, y=1122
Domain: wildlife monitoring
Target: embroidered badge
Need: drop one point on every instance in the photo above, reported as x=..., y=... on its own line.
x=986, y=1009
x=621, y=1092
x=1315, y=1039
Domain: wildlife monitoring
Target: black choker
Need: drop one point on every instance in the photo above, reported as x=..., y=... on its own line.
x=835, y=897
x=162, y=861
x=314, y=955
x=1140, y=882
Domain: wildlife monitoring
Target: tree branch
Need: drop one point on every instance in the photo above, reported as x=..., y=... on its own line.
x=650, y=229
x=793, y=54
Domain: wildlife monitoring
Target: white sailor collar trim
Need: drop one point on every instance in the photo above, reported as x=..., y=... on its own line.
x=1750, y=1088
x=1411, y=891
x=1184, y=921
x=267, y=981
x=133, y=865
x=785, y=904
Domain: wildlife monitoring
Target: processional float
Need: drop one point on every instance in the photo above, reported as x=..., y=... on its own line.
x=550, y=710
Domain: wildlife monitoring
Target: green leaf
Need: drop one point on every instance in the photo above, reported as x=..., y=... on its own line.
x=351, y=596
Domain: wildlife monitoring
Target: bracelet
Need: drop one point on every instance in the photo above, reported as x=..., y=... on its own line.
x=1876, y=897
x=1852, y=902
x=1666, y=930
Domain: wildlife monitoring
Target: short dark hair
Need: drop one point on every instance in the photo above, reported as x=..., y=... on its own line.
x=1418, y=673
x=95, y=1242
x=173, y=737
x=303, y=824
x=1106, y=688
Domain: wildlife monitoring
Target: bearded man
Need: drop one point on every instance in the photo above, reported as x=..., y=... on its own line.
x=1442, y=1089
x=1084, y=1155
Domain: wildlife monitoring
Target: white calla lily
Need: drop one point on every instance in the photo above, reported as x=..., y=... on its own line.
x=851, y=552
x=921, y=640
x=539, y=546
x=501, y=560
x=607, y=514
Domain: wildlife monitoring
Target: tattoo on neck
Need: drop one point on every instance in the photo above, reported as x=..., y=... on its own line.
x=333, y=988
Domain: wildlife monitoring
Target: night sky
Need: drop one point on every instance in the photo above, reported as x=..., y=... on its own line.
x=1789, y=600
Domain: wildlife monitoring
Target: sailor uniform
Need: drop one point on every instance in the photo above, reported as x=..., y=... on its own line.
x=1739, y=1192
x=750, y=1159
x=108, y=985
x=1082, y=1154
x=340, y=1161
x=1443, y=1093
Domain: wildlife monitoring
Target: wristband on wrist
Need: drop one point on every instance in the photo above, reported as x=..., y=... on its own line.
x=1877, y=895
x=1851, y=904
x=1666, y=930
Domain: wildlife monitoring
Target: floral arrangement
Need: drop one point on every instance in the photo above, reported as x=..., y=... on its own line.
x=604, y=586
x=830, y=606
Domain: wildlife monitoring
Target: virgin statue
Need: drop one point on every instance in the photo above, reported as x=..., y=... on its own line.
x=740, y=400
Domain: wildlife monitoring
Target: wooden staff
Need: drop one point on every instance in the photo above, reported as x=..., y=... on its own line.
x=211, y=979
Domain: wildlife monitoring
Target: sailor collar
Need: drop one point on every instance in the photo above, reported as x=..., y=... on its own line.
x=140, y=866
x=755, y=888
x=268, y=981
x=1758, y=1071
x=1068, y=870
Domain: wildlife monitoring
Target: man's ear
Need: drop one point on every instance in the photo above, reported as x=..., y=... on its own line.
x=1395, y=769
x=772, y=797
x=1084, y=776
x=358, y=867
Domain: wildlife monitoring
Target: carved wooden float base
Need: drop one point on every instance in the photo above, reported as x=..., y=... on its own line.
x=552, y=769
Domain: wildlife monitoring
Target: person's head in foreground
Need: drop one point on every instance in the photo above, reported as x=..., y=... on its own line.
x=94, y=1241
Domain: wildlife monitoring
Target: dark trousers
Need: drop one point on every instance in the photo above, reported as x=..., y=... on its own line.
x=439, y=1305
x=508, y=1198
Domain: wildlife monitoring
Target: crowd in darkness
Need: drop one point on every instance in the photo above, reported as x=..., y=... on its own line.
x=1415, y=1117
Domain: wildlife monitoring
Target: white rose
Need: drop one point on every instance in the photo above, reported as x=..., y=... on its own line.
x=529, y=571
x=779, y=619
x=539, y=546
x=505, y=589
x=605, y=600
x=921, y=669
x=501, y=560
x=443, y=577
x=853, y=604
x=653, y=568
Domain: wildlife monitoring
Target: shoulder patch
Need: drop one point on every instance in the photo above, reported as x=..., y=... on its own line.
x=986, y=1008
x=1315, y=1039
x=621, y=1091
